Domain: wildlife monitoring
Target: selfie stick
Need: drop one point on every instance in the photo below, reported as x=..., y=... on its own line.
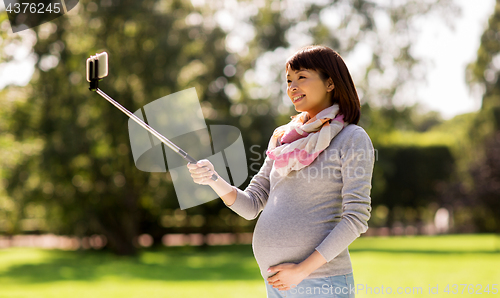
x=93, y=77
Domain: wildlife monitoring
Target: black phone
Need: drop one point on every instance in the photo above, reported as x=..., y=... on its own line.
x=97, y=67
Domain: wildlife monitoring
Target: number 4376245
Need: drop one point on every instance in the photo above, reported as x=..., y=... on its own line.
x=33, y=8
x=470, y=289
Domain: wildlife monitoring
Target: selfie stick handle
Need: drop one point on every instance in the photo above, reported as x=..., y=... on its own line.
x=139, y=121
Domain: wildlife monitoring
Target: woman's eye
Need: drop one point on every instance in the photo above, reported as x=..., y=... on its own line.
x=302, y=77
x=288, y=81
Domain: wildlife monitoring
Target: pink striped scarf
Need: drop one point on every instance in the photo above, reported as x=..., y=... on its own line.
x=302, y=139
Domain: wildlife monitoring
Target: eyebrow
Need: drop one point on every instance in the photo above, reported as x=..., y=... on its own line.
x=297, y=71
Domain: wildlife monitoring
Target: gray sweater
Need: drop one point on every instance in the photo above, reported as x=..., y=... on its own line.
x=324, y=206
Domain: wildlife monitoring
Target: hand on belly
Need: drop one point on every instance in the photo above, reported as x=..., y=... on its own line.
x=288, y=276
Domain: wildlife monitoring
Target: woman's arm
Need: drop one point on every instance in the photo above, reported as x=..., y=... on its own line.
x=247, y=203
x=226, y=191
x=202, y=173
x=358, y=158
x=313, y=262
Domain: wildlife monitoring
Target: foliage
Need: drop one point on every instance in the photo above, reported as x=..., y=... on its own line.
x=486, y=178
x=81, y=178
x=409, y=177
x=84, y=179
x=484, y=131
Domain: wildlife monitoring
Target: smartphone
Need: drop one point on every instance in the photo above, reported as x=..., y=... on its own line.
x=97, y=66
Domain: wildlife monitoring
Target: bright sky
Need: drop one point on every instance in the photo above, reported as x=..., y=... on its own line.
x=448, y=50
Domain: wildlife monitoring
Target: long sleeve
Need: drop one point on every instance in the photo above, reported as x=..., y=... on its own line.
x=250, y=202
x=358, y=158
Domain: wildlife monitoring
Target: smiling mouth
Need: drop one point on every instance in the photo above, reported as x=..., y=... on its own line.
x=297, y=98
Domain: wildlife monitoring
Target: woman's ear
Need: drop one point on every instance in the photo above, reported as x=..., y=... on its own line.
x=329, y=85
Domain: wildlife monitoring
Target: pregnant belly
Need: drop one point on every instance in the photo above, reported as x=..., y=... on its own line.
x=267, y=256
x=281, y=238
x=278, y=229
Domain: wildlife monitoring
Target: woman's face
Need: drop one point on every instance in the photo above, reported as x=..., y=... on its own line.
x=308, y=92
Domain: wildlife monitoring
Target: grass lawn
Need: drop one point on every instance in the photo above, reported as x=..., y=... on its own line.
x=412, y=264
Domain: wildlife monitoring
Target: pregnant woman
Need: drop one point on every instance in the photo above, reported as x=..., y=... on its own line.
x=313, y=190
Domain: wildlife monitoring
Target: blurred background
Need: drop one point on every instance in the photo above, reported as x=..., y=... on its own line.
x=427, y=76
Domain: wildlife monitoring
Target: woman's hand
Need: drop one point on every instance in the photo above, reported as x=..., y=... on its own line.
x=289, y=276
x=202, y=172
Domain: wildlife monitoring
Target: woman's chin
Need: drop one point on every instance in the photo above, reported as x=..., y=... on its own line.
x=298, y=108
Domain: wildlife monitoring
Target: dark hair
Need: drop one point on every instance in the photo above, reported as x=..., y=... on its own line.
x=329, y=64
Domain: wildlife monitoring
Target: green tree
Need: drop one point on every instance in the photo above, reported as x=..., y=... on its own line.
x=83, y=179
x=485, y=129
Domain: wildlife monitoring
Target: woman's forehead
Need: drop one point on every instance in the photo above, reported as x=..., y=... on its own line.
x=289, y=70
